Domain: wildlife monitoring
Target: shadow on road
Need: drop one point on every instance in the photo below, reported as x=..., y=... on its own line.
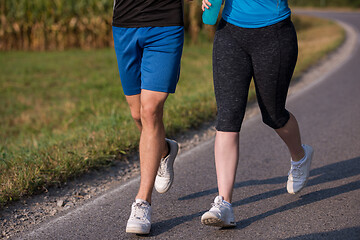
x=346, y=233
x=304, y=200
x=164, y=226
x=332, y=172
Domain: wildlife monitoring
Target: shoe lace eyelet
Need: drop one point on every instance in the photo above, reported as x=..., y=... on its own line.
x=140, y=211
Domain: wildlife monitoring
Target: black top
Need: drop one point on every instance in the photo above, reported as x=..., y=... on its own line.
x=148, y=13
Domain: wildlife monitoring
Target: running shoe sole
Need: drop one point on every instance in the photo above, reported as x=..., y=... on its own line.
x=211, y=220
x=136, y=230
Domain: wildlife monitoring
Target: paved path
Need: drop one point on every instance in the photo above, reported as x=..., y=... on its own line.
x=329, y=208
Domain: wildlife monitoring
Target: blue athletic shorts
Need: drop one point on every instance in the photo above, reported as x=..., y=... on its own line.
x=149, y=57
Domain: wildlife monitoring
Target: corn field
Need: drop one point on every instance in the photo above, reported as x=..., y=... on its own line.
x=62, y=24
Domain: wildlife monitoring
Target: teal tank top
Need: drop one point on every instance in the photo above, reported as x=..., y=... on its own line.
x=255, y=13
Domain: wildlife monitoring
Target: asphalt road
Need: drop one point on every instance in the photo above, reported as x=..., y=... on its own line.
x=328, y=208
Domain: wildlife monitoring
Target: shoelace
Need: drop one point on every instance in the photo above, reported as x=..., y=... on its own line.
x=162, y=167
x=217, y=204
x=140, y=211
x=295, y=171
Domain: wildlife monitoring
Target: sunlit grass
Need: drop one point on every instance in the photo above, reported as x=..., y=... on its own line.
x=317, y=38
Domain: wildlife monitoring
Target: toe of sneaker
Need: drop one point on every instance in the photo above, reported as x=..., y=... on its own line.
x=138, y=228
x=294, y=187
x=162, y=185
x=208, y=215
x=290, y=189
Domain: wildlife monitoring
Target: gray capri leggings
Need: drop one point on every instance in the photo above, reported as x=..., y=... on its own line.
x=267, y=54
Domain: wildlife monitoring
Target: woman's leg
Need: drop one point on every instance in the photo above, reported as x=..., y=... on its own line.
x=226, y=160
x=290, y=134
x=274, y=65
x=232, y=75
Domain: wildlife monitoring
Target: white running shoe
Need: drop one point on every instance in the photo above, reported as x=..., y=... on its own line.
x=300, y=171
x=140, y=218
x=165, y=174
x=220, y=215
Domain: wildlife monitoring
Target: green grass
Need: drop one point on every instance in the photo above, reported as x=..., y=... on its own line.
x=63, y=113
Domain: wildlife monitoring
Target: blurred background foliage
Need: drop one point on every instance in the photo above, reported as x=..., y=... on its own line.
x=64, y=24
x=325, y=3
x=86, y=24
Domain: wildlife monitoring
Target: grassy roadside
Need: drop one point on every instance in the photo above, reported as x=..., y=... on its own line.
x=63, y=113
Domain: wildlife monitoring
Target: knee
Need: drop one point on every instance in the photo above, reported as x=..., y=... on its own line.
x=136, y=116
x=229, y=121
x=276, y=121
x=151, y=112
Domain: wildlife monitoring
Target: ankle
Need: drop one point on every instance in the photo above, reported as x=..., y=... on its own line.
x=226, y=199
x=167, y=150
x=227, y=202
x=143, y=198
x=298, y=155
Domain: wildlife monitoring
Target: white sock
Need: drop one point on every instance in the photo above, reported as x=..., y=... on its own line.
x=227, y=203
x=300, y=161
x=138, y=200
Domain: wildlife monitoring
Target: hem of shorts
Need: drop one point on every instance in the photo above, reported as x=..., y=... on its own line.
x=282, y=124
x=165, y=90
x=225, y=130
x=131, y=93
x=137, y=25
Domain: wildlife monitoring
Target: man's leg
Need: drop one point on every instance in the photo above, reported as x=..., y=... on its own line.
x=152, y=140
x=159, y=71
x=135, y=106
x=147, y=111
